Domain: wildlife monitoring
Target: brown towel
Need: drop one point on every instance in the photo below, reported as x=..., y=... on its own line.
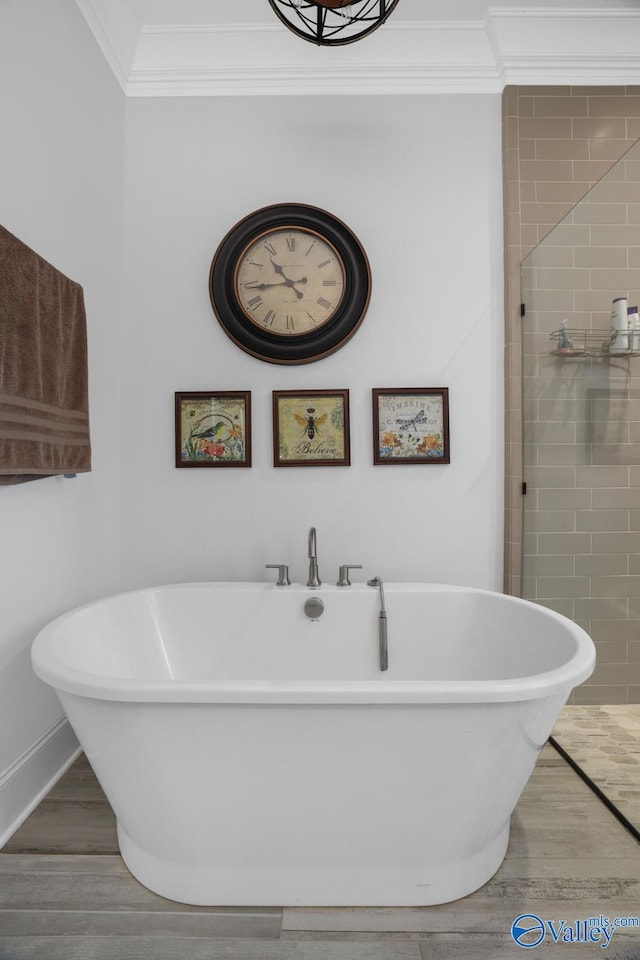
x=44, y=408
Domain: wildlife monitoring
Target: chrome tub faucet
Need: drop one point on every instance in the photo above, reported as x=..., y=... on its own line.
x=313, y=579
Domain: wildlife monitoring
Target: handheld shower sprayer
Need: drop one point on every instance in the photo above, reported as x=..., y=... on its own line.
x=382, y=624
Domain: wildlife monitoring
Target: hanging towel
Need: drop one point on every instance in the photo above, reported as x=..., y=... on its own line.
x=44, y=408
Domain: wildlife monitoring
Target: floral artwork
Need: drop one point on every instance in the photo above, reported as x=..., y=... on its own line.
x=213, y=429
x=311, y=428
x=411, y=425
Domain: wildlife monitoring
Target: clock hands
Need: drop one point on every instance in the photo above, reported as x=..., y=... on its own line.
x=283, y=283
x=289, y=283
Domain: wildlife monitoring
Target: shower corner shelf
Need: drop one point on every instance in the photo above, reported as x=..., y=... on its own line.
x=587, y=345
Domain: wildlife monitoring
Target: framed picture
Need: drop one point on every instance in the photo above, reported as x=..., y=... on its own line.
x=311, y=428
x=213, y=429
x=411, y=425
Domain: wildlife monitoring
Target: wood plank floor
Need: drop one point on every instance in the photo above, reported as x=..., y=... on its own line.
x=66, y=895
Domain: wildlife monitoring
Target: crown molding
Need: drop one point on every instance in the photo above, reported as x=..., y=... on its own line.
x=116, y=30
x=549, y=45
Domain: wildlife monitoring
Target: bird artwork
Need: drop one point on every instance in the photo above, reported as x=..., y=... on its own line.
x=212, y=436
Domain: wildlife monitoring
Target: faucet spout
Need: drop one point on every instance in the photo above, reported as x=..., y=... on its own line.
x=312, y=553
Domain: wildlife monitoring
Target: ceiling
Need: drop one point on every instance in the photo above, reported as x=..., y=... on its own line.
x=227, y=47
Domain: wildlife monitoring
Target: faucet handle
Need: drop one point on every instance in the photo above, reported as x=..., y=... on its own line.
x=283, y=573
x=343, y=575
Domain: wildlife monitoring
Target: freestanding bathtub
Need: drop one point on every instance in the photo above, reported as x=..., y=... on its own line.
x=253, y=756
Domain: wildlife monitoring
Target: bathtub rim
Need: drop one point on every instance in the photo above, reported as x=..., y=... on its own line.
x=559, y=680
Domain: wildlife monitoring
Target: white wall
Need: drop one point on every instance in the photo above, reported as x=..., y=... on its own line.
x=419, y=181
x=61, y=115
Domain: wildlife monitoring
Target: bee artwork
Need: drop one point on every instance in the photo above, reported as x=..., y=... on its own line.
x=311, y=429
x=411, y=425
x=309, y=422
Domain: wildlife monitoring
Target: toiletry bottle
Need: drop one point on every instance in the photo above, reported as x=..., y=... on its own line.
x=633, y=321
x=619, y=326
x=565, y=345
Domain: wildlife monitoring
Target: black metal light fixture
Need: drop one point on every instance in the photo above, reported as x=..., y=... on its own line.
x=331, y=23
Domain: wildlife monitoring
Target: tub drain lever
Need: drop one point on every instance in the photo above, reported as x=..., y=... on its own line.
x=382, y=625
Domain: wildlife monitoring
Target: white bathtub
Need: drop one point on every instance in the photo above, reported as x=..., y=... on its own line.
x=255, y=757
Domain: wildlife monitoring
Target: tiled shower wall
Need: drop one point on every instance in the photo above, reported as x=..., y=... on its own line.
x=582, y=432
x=557, y=143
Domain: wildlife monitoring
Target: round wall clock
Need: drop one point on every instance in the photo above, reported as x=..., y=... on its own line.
x=290, y=283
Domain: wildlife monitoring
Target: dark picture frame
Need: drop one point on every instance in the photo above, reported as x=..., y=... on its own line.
x=213, y=428
x=311, y=428
x=411, y=425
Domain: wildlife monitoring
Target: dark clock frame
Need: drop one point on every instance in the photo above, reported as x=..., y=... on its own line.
x=272, y=347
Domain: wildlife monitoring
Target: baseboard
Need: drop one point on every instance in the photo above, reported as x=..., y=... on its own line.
x=30, y=778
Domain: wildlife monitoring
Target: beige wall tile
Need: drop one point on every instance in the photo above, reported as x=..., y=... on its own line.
x=610, y=609
x=609, y=106
x=591, y=170
x=572, y=543
x=554, y=432
x=572, y=234
x=615, y=631
x=602, y=565
x=633, y=127
x=553, y=128
x=567, y=499
x=549, y=255
x=610, y=652
x=592, y=91
x=562, y=278
x=602, y=520
x=601, y=256
x=563, y=149
x=605, y=236
x=525, y=106
x=561, y=106
x=600, y=127
x=549, y=521
x=557, y=454
x=602, y=477
x=616, y=673
x=609, y=149
x=564, y=410
x=616, y=542
x=613, y=279
x=539, y=90
x=600, y=213
x=616, y=497
x=547, y=191
x=562, y=587
x=544, y=213
x=548, y=170
x=612, y=191
x=621, y=587
x=613, y=453
x=588, y=694
x=551, y=566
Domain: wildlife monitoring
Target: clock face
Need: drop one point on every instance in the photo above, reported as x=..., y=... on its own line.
x=290, y=281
